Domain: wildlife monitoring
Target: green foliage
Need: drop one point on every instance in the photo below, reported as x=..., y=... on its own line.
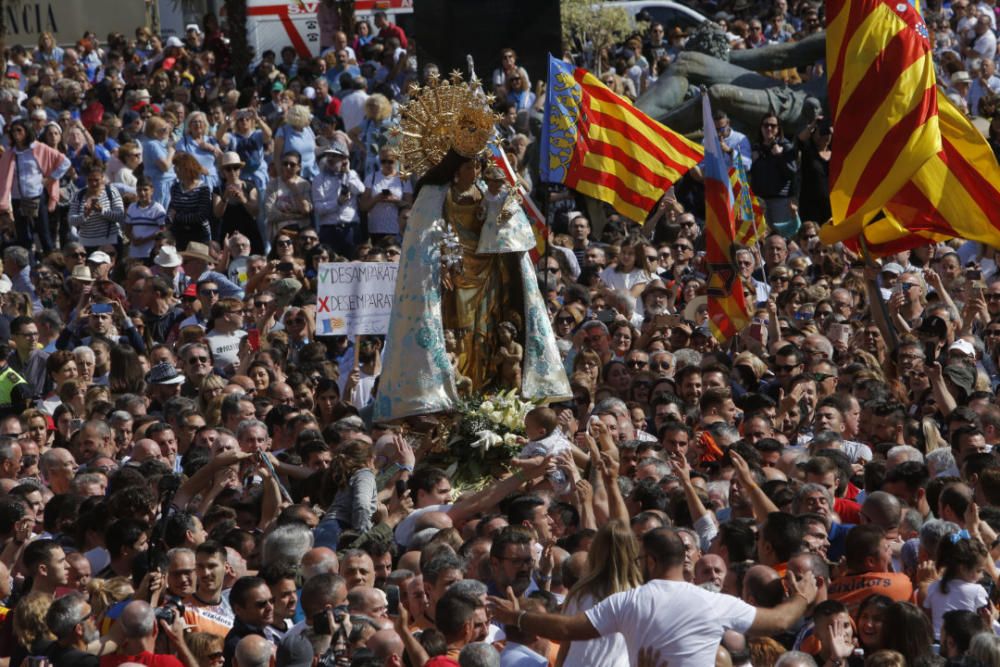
x=594, y=25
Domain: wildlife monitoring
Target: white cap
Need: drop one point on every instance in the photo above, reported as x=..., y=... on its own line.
x=963, y=346
x=309, y=92
x=5, y=284
x=192, y=27
x=99, y=257
x=892, y=267
x=174, y=41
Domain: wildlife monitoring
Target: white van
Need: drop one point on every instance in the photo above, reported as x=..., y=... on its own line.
x=667, y=12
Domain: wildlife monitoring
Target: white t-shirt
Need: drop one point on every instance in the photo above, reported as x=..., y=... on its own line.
x=682, y=621
x=225, y=349
x=961, y=595
x=624, y=282
x=609, y=651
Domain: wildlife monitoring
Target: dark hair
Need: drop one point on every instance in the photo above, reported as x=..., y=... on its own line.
x=29, y=134
x=238, y=593
x=962, y=625
x=452, y=612
x=123, y=533
x=784, y=533
x=906, y=629
x=443, y=171
x=38, y=552
x=739, y=538
x=954, y=553
x=862, y=542
x=425, y=478
x=506, y=536
x=664, y=546
x=178, y=526
x=211, y=548
x=522, y=508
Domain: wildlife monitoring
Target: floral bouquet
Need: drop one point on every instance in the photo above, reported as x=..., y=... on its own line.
x=484, y=437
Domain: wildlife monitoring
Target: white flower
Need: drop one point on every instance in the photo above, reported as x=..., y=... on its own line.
x=486, y=407
x=486, y=439
x=510, y=439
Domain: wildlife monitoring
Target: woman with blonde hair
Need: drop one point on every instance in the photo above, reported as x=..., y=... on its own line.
x=372, y=135
x=612, y=567
x=296, y=135
x=206, y=649
x=190, y=210
x=48, y=52
x=158, y=159
x=30, y=629
x=105, y=593
x=204, y=147
x=211, y=387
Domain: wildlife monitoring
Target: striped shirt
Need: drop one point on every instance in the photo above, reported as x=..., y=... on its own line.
x=144, y=222
x=192, y=209
x=102, y=227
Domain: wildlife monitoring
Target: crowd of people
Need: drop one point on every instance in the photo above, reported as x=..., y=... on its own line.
x=189, y=475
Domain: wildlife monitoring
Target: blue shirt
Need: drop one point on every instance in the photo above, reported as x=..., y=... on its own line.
x=204, y=157
x=251, y=150
x=29, y=181
x=304, y=142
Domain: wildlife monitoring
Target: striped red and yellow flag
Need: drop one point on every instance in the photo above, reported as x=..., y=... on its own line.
x=727, y=307
x=751, y=225
x=955, y=194
x=882, y=96
x=597, y=143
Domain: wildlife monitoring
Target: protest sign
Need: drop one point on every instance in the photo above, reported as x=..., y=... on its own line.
x=354, y=298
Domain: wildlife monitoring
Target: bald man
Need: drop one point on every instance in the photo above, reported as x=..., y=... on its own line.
x=146, y=449
x=387, y=646
x=254, y=651
x=320, y=560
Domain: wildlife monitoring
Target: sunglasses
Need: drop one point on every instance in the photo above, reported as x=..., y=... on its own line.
x=387, y=161
x=231, y=167
x=283, y=242
x=565, y=320
x=296, y=321
x=681, y=246
x=637, y=363
x=208, y=292
x=261, y=304
x=785, y=368
x=290, y=164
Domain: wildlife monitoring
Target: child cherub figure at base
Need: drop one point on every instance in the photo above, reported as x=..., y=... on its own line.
x=451, y=347
x=509, y=353
x=541, y=425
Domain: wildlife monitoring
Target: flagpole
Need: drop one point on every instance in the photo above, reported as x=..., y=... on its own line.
x=890, y=327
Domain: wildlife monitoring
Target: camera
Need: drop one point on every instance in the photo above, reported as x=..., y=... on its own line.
x=169, y=612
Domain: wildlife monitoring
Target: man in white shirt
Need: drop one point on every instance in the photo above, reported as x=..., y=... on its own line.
x=226, y=335
x=335, y=192
x=687, y=636
x=352, y=104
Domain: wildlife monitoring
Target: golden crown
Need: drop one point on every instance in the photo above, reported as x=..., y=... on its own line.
x=442, y=116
